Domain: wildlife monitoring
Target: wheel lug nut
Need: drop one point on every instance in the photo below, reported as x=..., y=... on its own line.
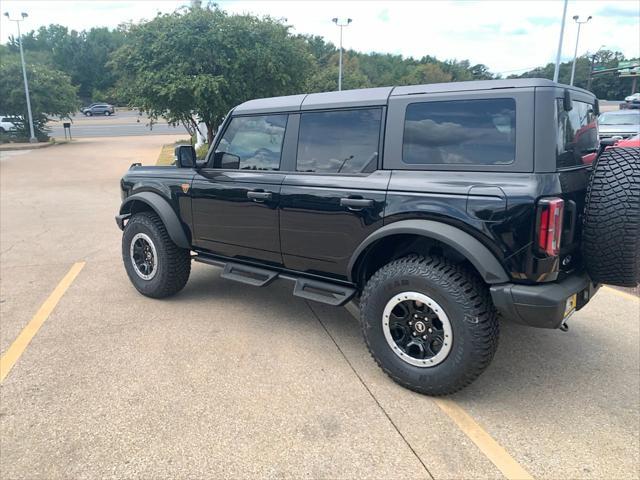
x=431, y=330
x=424, y=337
x=410, y=323
x=414, y=334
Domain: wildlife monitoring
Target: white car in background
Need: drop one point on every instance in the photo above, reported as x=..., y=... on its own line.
x=8, y=124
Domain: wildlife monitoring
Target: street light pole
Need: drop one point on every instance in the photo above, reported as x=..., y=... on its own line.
x=575, y=53
x=341, y=25
x=32, y=138
x=556, y=71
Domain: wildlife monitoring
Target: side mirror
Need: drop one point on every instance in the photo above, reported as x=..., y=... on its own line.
x=566, y=101
x=596, y=108
x=185, y=156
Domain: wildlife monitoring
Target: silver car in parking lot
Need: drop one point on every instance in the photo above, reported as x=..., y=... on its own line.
x=618, y=125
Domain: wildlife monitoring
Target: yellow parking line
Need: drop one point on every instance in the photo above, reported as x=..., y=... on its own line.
x=620, y=293
x=13, y=353
x=487, y=445
x=504, y=462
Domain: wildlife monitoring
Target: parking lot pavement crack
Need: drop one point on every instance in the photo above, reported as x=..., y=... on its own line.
x=317, y=317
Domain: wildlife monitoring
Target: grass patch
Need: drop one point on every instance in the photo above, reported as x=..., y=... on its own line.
x=166, y=153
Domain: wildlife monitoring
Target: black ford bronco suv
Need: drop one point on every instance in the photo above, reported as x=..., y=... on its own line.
x=441, y=208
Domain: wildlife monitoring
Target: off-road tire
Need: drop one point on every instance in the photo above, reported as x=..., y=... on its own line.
x=173, y=262
x=611, y=229
x=467, y=302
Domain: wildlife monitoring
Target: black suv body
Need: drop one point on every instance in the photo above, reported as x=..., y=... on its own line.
x=474, y=186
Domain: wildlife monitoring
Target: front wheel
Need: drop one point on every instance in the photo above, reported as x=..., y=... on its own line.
x=429, y=324
x=87, y=114
x=156, y=266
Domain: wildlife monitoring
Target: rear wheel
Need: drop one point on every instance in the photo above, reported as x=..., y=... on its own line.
x=156, y=266
x=429, y=324
x=611, y=233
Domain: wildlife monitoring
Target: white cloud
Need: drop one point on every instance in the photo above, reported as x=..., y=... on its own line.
x=506, y=36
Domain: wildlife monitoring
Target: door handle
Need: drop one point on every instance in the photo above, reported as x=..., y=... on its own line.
x=356, y=203
x=258, y=196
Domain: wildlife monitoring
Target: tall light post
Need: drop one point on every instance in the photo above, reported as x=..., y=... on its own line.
x=556, y=71
x=32, y=138
x=576, y=18
x=341, y=25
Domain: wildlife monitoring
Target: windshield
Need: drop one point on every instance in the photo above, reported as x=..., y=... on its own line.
x=619, y=119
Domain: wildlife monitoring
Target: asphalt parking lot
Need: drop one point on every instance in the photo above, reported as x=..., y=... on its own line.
x=228, y=381
x=123, y=123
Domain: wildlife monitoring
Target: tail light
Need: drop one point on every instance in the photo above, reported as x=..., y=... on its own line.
x=550, y=216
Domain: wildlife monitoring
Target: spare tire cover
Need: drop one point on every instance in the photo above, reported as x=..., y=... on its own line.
x=611, y=229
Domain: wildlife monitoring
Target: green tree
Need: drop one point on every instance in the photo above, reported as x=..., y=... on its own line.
x=325, y=78
x=81, y=55
x=609, y=86
x=51, y=92
x=427, y=73
x=197, y=64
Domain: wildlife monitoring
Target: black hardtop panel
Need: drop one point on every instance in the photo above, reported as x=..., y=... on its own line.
x=380, y=95
x=480, y=85
x=290, y=103
x=347, y=98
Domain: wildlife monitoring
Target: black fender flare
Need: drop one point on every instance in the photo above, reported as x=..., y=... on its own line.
x=480, y=256
x=163, y=209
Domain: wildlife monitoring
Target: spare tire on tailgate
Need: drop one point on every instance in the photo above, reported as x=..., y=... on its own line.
x=611, y=230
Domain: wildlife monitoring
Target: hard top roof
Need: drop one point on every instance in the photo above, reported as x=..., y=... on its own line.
x=380, y=95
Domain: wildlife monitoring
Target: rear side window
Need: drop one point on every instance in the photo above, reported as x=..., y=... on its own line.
x=577, y=138
x=464, y=132
x=344, y=141
x=252, y=143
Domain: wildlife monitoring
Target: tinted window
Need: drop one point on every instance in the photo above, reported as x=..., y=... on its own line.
x=339, y=142
x=255, y=141
x=577, y=139
x=466, y=132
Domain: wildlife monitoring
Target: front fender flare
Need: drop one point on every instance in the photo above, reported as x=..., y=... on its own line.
x=480, y=256
x=163, y=209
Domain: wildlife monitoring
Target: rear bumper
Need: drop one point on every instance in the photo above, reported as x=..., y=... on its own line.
x=543, y=305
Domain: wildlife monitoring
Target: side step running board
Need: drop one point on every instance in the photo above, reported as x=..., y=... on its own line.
x=258, y=277
x=316, y=290
x=323, y=292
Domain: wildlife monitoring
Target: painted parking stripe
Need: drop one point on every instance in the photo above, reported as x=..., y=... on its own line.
x=17, y=348
x=504, y=462
x=487, y=445
x=622, y=294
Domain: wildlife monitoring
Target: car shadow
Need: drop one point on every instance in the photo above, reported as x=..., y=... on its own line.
x=529, y=362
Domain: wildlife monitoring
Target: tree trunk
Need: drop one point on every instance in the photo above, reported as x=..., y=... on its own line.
x=210, y=133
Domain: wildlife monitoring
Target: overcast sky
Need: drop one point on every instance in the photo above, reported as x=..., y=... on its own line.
x=508, y=36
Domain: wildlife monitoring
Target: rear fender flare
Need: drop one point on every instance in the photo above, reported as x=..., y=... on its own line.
x=480, y=256
x=163, y=209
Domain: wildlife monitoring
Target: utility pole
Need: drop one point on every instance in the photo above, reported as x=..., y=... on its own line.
x=575, y=53
x=32, y=138
x=341, y=25
x=556, y=71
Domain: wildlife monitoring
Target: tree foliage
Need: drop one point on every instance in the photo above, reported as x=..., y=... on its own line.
x=608, y=86
x=81, y=55
x=51, y=93
x=198, y=64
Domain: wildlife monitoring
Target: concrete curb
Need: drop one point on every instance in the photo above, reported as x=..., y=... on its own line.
x=6, y=147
